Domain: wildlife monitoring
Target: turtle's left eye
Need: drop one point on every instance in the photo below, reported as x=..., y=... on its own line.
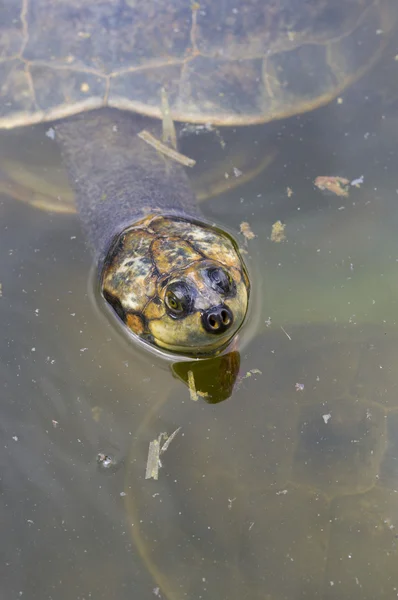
x=221, y=281
x=178, y=299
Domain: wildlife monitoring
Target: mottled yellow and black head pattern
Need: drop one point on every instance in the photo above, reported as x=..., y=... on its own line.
x=179, y=285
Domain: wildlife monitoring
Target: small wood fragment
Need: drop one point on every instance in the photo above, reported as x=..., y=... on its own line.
x=166, y=150
x=334, y=184
x=169, y=440
x=153, y=462
x=245, y=230
x=278, y=232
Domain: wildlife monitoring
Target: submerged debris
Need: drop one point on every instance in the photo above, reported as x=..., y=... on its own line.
x=251, y=372
x=169, y=130
x=105, y=461
x=192, y=387
x=193, y=392
x=237, y=172
x=196, y=129
x=245, y=230
x=190, y=128
x=50, y=133
x=278, y=232
x=96, y=413
x=246, y=376
x=357, y=182
x=289, y=192
x=155, y=450
x=336, y=185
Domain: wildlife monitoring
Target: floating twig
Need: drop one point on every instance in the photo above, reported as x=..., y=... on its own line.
x=166, y=150
x=286, y=333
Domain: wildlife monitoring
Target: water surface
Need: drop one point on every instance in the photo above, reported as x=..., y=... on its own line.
x=287, y=490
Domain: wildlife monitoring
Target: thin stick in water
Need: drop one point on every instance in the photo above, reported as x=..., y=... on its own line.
x=166, y=150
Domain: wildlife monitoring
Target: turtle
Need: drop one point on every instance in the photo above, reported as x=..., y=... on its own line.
x=97, y=70
x=291, y=491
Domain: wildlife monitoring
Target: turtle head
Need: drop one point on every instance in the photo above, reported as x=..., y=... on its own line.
x=182, y=287
x=202, y=308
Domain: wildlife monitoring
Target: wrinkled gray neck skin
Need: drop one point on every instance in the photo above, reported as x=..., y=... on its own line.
x=117, y=177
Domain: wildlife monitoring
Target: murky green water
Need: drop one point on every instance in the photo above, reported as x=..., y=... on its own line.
x=288, y=489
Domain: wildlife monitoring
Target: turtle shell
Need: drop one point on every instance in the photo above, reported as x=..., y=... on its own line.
x=221, y=62
x=288, y=490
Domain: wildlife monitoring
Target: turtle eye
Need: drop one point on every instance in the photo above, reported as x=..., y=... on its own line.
x=221, y=281
x=178, y=299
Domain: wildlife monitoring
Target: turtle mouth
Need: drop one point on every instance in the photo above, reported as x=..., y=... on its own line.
x=214, y=347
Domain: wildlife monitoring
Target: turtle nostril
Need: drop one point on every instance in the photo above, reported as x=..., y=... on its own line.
x=217, y=319
x=213, y=322
x=225, y=317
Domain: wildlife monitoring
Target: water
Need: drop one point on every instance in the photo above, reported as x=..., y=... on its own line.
x=286, y=490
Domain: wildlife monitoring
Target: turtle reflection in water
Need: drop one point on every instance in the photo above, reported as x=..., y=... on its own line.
x=175, y=282
x=287, y=494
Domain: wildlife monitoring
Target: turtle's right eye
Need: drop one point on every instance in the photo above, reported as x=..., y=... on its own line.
x=178, y=299
x=221, y=281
